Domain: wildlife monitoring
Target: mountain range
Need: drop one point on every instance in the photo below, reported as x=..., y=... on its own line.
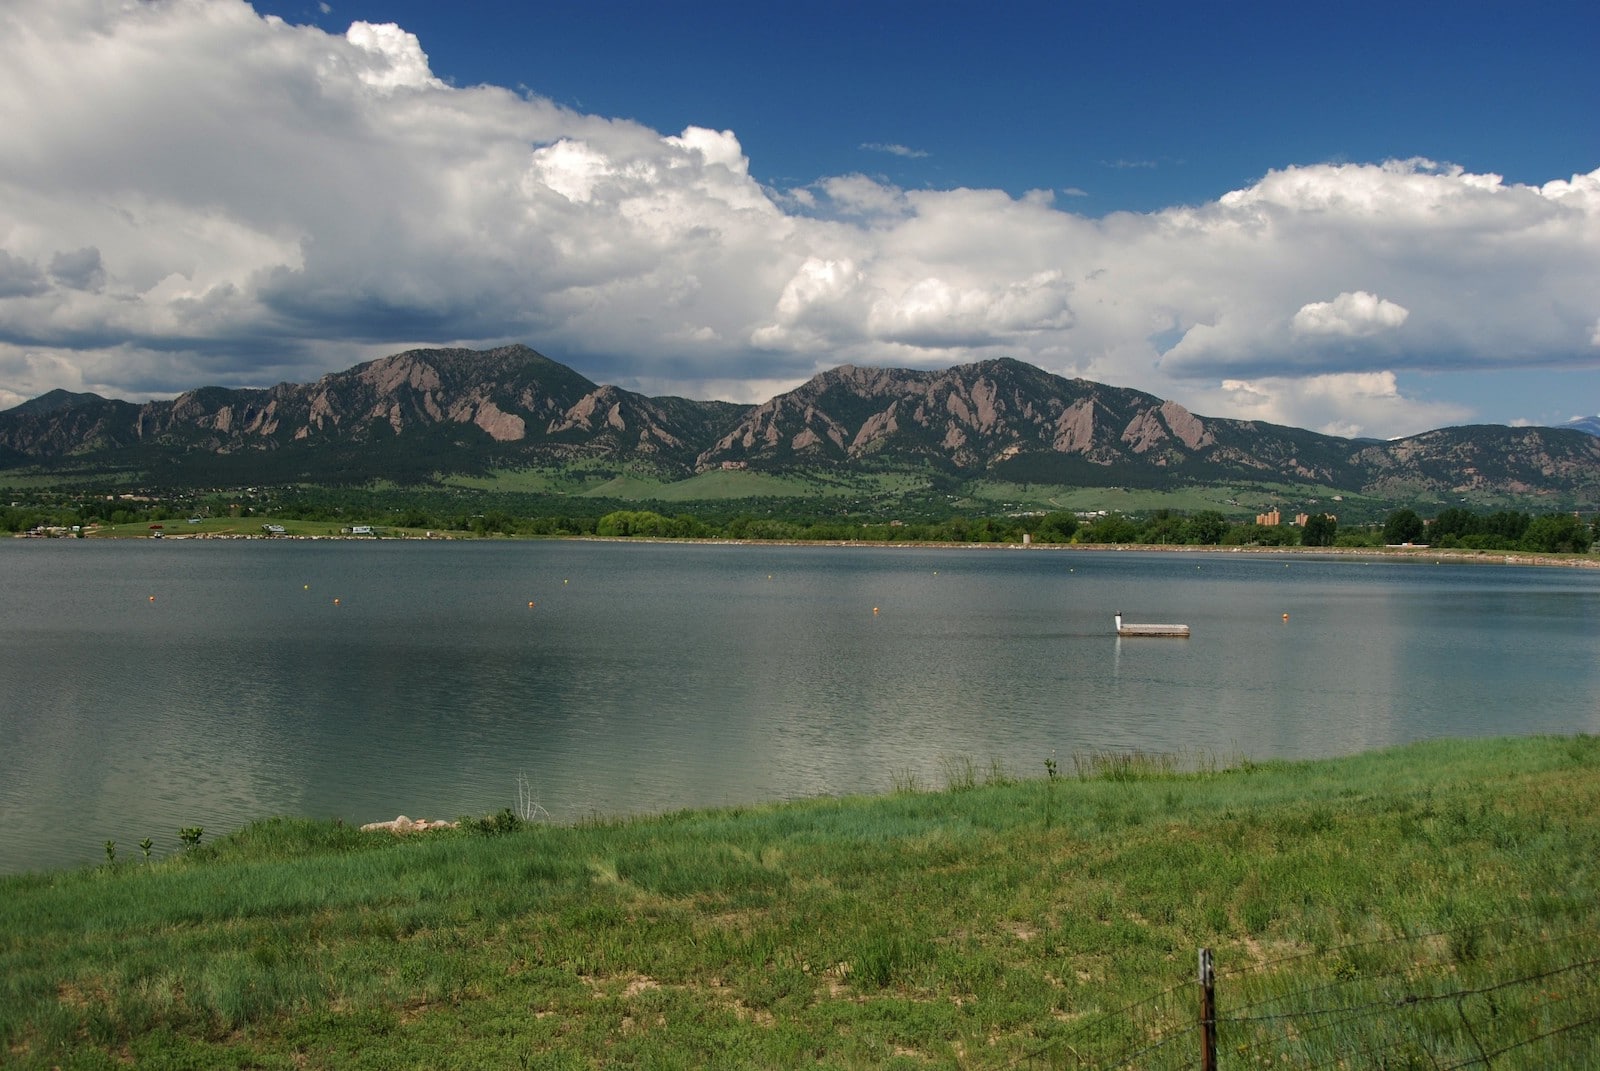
x=1590, y=424
x=414, y=416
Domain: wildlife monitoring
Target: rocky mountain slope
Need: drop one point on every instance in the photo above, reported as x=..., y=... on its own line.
x=1014, y=421
x=402, y=417
x=423, y=412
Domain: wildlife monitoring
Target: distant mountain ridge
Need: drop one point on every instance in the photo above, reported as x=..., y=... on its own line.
x=413, y=415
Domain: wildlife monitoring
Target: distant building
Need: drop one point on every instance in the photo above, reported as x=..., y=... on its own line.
x=1269, y=520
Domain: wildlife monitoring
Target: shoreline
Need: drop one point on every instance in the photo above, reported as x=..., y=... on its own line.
x=1386, y=553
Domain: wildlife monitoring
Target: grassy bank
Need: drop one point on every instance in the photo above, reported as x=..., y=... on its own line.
x=1427, y=906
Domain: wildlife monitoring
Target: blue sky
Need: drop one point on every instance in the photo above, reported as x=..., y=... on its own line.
x=1361, y=218
x=1137, y=105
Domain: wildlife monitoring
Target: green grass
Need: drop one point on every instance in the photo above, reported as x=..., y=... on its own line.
x=720, y=485
x=1232, y=501
x=572, y=480
x=228, y=526
x=995, y=920
x=705, y=487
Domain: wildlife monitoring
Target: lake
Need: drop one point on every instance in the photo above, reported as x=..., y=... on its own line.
x=148, y=685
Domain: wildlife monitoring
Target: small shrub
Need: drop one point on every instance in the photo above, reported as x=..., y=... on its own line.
x=998, y=775
x=494, y=825
x=905, y=782
x=959, y=774
x=1133, y=765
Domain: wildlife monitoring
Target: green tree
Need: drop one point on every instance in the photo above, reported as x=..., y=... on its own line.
x=1055, y=528
x=1164, y=526
x=625, y=522
x=1263, y=535
x=1112, y=528
x=1453, y=525
x=1357, y=537
x=1557, y=533
x=1206, y=528
x=1320, y=531
x=1509, y=525
x=1403, y=526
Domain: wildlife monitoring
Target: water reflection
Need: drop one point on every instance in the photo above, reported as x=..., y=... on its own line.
x=654, y=677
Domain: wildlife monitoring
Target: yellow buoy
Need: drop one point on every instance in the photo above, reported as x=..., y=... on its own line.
x=874, y=609
x=1286, y=617
x=336, y=602
x=530, y=605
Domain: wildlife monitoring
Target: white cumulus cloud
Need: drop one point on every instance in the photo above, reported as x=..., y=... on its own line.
x=1350, y=404
x=396, y=57
x=1353, y=315
x=191, y=193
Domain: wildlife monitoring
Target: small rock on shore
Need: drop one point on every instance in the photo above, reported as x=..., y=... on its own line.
x=402, y=824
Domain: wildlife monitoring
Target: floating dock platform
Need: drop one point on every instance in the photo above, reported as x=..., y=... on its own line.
x=1173, y=631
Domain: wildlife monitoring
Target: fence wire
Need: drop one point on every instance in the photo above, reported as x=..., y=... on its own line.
x=1512, y=993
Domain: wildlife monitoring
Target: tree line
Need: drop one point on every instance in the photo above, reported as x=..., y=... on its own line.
x=496, y=514
x=1456, y=528
x=1453, y=528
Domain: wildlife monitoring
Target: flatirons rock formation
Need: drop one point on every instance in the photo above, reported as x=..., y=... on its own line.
x=1001, y=414
x=425, y=412
x=407, y=416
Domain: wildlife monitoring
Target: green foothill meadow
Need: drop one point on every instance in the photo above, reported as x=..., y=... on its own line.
x=1435, y=905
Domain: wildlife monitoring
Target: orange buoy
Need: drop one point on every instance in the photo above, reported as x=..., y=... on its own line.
x=874, y=609
x=1286, y=617
x=336, y=602
x=152, y=598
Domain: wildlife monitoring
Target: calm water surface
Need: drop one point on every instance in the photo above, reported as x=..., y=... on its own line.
x=367, y=679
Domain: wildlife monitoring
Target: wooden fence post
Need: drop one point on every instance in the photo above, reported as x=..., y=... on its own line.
x=1208, y=1013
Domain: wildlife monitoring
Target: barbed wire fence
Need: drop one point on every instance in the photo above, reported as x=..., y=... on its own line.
x=1519, y=992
